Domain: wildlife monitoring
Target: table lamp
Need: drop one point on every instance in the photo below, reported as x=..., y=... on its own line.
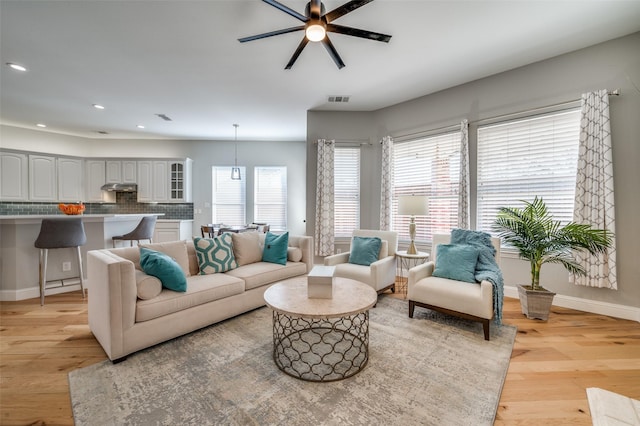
x=413, y=205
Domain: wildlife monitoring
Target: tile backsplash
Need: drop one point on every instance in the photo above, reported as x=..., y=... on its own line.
x=126, y=203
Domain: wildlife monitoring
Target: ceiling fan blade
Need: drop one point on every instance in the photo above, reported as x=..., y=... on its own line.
x=271, y=34
x=297, y=53
x=333, y=52
x=358, y=33
x=315, y=9
x=344, y=9
x=287, y=10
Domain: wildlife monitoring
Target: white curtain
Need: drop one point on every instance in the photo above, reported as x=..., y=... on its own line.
x=386, y=188
x=594, y=202
x=463, y=189
x=324, y=232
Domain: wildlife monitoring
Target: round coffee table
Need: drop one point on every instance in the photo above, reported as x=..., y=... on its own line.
x=320, y=340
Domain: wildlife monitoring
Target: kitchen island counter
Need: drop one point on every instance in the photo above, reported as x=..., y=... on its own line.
x=19, y=256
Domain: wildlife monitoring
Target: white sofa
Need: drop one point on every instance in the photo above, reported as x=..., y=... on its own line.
x=126, y=315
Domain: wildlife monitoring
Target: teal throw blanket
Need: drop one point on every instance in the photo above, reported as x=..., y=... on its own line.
x=487, y=267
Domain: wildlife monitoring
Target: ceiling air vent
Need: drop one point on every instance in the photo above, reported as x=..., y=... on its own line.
x=164, y=117
x=340, y=99
x=102, y=132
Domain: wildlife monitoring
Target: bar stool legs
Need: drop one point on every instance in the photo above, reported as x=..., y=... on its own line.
x=44, y=254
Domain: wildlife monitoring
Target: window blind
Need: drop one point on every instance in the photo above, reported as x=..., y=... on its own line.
x=346, y=190
x=524, y=158
x=270, y=197
x=229, y=197
x=428, y=166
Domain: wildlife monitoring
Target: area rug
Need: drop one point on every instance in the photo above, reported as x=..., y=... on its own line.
x=430, y=370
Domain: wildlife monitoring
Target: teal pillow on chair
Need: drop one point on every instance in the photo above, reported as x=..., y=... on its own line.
x=364, y=250
x=164, y=268
x=275, y=248
x=456, y=262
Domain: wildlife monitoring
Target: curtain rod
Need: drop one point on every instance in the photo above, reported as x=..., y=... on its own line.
x=450, y=127
x=359, y=142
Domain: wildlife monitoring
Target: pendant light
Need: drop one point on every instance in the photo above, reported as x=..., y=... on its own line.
x=235, y=171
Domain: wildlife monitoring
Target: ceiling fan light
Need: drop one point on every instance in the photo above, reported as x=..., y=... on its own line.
x=315, y=32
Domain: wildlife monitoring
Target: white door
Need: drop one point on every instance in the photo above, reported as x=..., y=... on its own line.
x=70, y=179
x=145, y=181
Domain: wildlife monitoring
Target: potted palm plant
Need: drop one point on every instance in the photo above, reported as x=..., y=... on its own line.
x=540, y=239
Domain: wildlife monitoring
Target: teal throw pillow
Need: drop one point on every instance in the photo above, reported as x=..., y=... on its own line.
x=164, y=268
x=275, y=248
x=215, y=254
x=456, y=262
x=364, y=250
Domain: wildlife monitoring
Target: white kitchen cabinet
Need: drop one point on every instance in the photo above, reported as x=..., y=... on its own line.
x=145, y=181
x=42, y=178
x=180, y=189
x=121, y=171
x=95, y=177
x=164, y=181
x=14, y=176
x=160, y=184
x=172, y=230
x=70, y=179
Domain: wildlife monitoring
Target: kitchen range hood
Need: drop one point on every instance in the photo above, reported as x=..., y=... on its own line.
x=120, y=187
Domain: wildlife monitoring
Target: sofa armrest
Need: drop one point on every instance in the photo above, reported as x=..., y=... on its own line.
x=305, y=243
x=419, y=272
x=112, y=299
x=336, y=259
x=383, y=271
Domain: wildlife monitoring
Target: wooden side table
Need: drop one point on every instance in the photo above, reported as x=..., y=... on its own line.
x=408, y=261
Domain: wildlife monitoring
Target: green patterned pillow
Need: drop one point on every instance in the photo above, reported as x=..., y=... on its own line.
x=215, y=255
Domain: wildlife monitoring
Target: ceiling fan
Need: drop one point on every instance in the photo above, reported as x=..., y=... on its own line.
x=317, y=24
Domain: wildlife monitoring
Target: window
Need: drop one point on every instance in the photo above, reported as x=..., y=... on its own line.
x=346, y=191
x=521, y=159
x=428, y=166
x=228, y=197
x=270, y=197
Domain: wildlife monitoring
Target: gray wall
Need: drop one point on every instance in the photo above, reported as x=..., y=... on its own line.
x=611, y=65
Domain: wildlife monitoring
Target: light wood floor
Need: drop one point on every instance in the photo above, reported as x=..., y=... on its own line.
x=551, y=366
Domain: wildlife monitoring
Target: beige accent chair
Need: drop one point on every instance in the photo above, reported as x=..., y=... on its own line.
x=381, y=274
x=458, y=298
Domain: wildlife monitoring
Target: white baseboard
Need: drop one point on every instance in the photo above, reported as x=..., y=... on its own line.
x=586, y=305
x=34, y=292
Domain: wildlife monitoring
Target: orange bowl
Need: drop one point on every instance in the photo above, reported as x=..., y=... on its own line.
x=71, y=209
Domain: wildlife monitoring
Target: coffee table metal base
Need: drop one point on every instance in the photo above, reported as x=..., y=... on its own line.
x=321, y=349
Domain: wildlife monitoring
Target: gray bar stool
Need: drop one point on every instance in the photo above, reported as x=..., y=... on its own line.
x=55, y=234
x=144, y=231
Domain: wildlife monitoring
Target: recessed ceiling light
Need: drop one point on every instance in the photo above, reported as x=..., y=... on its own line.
x=41, y=125
x=16, y=67
x=97, y=106
x=140, y=126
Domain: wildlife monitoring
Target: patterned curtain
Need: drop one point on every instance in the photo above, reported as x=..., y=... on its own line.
x=386, y=188
x=594, y=202
x=463, y=189
x=324, y=232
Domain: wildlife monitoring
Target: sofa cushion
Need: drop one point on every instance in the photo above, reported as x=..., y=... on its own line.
x=200, y=289
x=147, y=286
x=165, y=268
x=261, y=273
x=275, y=248
x=246, y=247
x=294, y=254
x=456, y=262
x=215, y=254
x=177, y=250
x=364, y=250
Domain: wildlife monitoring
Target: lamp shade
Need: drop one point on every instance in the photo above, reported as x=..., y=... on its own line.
x=413, y=205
